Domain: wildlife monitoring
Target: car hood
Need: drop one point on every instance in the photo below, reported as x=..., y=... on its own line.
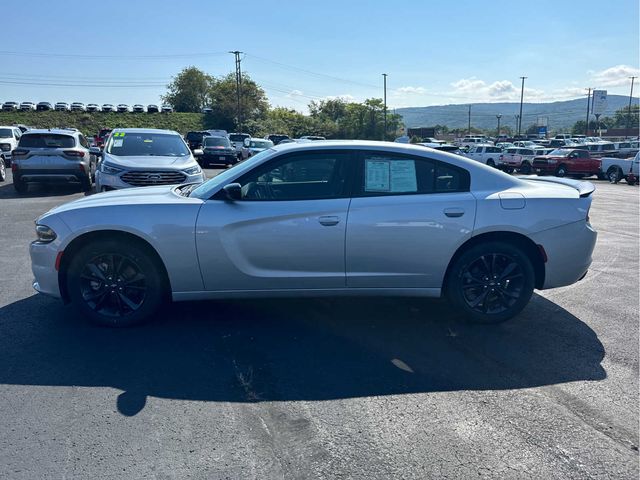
x=146, y=162
x=160, y=195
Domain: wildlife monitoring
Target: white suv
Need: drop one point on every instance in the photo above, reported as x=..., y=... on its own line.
x=487, y=154
x=9, y=137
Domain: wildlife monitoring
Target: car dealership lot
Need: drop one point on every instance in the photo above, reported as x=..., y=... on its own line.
x=353, y=388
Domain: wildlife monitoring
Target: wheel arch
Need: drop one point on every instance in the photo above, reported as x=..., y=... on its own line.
x=533, y=252
x=126, y=237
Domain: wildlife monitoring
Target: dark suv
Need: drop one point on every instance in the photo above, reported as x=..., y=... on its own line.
x=194, y=139
x=277, y=138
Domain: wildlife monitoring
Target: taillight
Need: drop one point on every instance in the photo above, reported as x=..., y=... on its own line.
x=18, y=152
x=6, y=147
x=14, y=167
x=73, y=153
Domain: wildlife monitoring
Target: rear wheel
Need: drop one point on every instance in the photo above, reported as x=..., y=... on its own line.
x=491, y=282
x=20, y=186
x=491, y=163
x=86, y=184
x=525, y=168
x=115, y=285
x=3, y=171
x=614, y=174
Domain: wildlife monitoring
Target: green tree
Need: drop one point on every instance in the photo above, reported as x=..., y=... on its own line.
x=624, y=117
x=189, y=91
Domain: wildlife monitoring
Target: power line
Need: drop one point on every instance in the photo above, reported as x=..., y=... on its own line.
x=116, y=57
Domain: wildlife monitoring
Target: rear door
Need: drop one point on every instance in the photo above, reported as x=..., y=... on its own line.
x=408, y=215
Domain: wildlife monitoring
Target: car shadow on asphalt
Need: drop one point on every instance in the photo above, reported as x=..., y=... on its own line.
x=295, y=349
x=7, y=190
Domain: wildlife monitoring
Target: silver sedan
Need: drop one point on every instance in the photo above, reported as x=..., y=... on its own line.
x=321, y=218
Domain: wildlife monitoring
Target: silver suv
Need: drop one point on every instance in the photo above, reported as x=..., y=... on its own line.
x=53, y=156
x=140, y=157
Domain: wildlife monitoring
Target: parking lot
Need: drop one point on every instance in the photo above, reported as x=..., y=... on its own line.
x=324, y=388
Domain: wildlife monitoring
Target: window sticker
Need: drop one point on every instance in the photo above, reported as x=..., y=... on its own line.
x=377, y=173
x=403, y=176
x=117, y=143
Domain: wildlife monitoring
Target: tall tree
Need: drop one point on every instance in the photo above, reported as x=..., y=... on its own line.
x=254, y=103
x=189, y=91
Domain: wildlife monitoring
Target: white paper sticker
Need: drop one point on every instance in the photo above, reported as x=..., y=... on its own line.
x=377, y=176
x=403, y=176
x=117, y=143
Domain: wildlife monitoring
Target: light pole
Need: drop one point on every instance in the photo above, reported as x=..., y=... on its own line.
x=469, y=126
x=238, y=89
x=521, y=99
x=586, y=125
x=630, y=97
x=499, y=116
x=384, y=135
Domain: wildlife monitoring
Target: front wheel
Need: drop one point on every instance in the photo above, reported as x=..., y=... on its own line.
x=614, y=175
x=525, y=168
x=491, y=282
x=114, y=283
x=3, y=171
x=561, y=171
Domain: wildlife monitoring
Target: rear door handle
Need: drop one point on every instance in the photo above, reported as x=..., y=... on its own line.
x=328, y=220
x=454, y=212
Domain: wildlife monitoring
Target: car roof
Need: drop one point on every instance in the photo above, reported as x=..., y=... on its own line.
x=57, y=131
x=145, y=130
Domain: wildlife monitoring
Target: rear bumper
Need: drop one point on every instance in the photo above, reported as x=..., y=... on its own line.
x=50, y=176
x=225, y=159
x=569, y=249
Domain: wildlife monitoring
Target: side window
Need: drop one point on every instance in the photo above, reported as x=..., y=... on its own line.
x=298, y=177
x=83, y=141
x=388, y=174
x=16, y=134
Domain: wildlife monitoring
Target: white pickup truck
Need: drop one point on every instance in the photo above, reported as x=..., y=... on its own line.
x=487, y=154
x=616, y=169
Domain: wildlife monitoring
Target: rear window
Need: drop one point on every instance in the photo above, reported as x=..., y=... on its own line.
x=47, y=140
x=238, y=137
x=5, y=133
x=195, y=135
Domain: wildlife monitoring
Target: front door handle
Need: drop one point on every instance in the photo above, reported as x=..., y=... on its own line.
x=454, y=212
x=329, y=220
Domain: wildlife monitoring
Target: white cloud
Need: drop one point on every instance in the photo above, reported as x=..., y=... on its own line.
x=477, y=90
x=344, y=97
x=295, y=93
x=616, y=76
x=408, y=90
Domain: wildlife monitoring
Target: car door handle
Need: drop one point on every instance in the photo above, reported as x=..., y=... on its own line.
x=454, y=212
x=328, y=220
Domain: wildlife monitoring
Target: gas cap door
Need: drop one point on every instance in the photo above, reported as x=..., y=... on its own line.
x=512, y=200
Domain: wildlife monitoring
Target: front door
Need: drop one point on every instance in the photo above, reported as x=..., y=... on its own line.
x=287, y=231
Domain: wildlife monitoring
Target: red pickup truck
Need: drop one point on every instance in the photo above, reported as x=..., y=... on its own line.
x=567, y=161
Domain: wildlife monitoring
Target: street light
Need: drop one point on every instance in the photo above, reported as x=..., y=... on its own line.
x=384, y=136
x=499, y=116
x=521, y=98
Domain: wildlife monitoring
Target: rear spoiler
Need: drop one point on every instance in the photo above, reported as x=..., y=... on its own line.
x=584, y=188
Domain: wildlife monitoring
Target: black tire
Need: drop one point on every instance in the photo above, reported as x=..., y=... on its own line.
x=614, y=174
x=115, y=283
x=20, y=186
x=525, y=168
x=561, y=171
x=490, y=282
x=491, y=163
x=86, y=185
x=3, y=171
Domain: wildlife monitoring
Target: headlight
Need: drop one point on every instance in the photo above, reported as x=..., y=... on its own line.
x=110, y=169
x=193, y=170
x=45, y=234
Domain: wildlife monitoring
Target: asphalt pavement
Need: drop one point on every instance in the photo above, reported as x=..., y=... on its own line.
x=324, y=388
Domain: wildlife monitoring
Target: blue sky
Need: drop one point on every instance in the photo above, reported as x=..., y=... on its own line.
x=434, y=52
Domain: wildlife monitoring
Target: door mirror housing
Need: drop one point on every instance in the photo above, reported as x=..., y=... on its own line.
x=233, y=191
x=95, y=151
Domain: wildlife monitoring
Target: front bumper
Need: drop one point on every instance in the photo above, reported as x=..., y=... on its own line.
x=569, y=249
x=43, y=259
x=107, y=181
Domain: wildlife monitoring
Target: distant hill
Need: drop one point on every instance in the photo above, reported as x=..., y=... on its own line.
x=561, y=115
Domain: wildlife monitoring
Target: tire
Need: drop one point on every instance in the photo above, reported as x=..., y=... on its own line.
x=614, y=175
x=20, y=186
x=561, y=171
x=86, y=185
x=525, y=168
x=3, y=171
x=475, y=288
x=491, y=163
x=115, y=284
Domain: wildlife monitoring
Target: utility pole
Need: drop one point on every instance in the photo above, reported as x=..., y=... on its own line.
x=238, y=90
x=469, y=127
x=384, y=135
x=499, y=116
x=521, y=98
x=586, y=126
x=630, y=97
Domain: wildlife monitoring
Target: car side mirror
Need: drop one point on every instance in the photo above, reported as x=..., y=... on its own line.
x=198, y=152
x=233, y=191
x=95, y=151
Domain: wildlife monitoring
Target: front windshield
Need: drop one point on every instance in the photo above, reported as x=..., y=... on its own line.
x=126, y=144
x=216, y=142
x=260, y=144
x=205, y=190
x=560, y=152
x=5, y=133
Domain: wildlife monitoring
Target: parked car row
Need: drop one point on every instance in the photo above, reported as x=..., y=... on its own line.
x=81, y=107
